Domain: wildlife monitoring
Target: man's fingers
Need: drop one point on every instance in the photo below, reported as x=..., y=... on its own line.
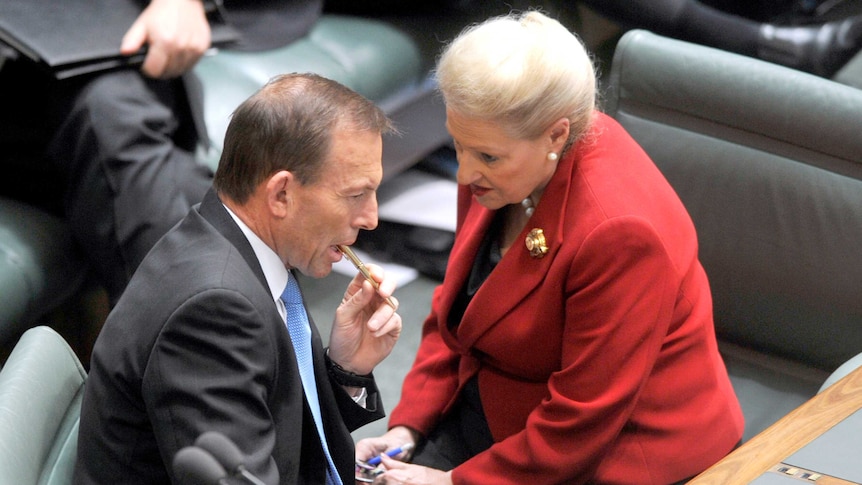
x=156, y=63
x=134, y=39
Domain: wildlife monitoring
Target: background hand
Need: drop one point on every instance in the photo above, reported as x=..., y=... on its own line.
x=176, y=33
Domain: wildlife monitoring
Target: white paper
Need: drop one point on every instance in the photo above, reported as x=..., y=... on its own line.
x=419, y=198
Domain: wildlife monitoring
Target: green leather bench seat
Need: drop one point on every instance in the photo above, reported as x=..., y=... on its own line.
x=39, y=266
x=41, y=387
x=370, y=56
x=768, y=162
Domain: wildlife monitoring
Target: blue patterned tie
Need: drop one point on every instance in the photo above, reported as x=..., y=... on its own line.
x=300, y=335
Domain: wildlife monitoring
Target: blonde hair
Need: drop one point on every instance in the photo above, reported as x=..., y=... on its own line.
x=522, y=71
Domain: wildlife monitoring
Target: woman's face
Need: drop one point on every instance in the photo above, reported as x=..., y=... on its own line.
x=498, y=169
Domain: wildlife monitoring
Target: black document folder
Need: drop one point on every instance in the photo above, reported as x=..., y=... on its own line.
x=74, y=37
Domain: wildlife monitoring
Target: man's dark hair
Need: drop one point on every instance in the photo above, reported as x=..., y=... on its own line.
x=287, y=125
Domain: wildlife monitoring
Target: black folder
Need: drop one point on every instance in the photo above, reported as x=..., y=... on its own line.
x=75, y=37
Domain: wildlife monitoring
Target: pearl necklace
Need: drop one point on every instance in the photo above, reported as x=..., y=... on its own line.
x=528, y=206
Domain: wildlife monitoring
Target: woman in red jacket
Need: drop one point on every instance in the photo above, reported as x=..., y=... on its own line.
x=572, y=339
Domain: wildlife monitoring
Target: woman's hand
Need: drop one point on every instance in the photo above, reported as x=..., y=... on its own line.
x=396, y=437
x=400, y=473
x=396, y=470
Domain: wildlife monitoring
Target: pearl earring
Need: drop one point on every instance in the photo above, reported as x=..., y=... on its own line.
x=552, y=157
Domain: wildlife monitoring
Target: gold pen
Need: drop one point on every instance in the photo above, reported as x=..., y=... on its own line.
x=345, y=250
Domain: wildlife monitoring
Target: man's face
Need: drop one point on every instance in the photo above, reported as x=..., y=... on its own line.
x=332, y=210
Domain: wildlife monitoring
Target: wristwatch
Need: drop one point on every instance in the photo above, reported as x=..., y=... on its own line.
x=345, y=377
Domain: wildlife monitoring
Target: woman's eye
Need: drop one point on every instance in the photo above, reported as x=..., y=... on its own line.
x=487, y=158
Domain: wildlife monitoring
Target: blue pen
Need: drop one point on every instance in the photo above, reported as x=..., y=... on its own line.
x=376, y=460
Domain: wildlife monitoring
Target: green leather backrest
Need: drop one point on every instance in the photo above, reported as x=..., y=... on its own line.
x=369, y=56
x=41, y=385
x=40, y=266
x=767, y=161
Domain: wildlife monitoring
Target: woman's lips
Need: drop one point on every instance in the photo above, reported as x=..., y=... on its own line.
x=479, y=191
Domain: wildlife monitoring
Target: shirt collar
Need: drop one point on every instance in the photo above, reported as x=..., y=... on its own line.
x=274, y=271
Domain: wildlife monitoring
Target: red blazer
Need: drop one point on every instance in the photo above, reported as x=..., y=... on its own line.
x=598, y=362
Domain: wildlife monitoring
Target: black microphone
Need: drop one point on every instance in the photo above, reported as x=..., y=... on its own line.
x=194, y=466
x=227, y=453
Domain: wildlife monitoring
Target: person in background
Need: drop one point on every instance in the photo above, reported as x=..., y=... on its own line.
x=209, y=335
x=821, y=47
x=571, y=340
x=124, y=141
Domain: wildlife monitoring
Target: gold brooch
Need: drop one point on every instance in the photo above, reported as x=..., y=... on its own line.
x=536, y=243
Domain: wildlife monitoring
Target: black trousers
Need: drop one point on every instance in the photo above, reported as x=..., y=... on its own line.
x=122, y=147
x=460, y=435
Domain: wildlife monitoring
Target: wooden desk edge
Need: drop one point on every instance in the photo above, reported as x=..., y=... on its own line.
x=787, y=435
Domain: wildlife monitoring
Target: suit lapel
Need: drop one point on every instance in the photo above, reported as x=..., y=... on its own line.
x=212, y=209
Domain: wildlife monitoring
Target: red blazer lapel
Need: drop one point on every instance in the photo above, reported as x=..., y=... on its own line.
x=473, y=222
x=518, y=273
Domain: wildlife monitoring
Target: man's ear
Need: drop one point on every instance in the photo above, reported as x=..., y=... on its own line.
x=279, y=191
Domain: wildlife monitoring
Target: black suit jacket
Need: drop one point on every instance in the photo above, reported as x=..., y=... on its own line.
x=196, y=343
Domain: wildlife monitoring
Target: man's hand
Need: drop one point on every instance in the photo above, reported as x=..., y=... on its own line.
x=176, y=33
x=366, y=327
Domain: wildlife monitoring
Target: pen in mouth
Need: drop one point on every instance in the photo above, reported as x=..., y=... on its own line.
x=362, y=269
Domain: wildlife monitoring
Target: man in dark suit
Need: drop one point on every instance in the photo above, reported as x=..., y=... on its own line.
x=198, y=341
x=794, y=33
x=123, y=143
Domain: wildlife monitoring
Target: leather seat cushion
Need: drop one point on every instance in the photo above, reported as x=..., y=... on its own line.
x=372, y=57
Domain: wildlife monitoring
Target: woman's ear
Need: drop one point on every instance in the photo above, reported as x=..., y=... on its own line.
x=558, y=134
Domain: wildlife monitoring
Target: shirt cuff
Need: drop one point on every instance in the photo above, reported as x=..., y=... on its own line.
x=361, y=398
